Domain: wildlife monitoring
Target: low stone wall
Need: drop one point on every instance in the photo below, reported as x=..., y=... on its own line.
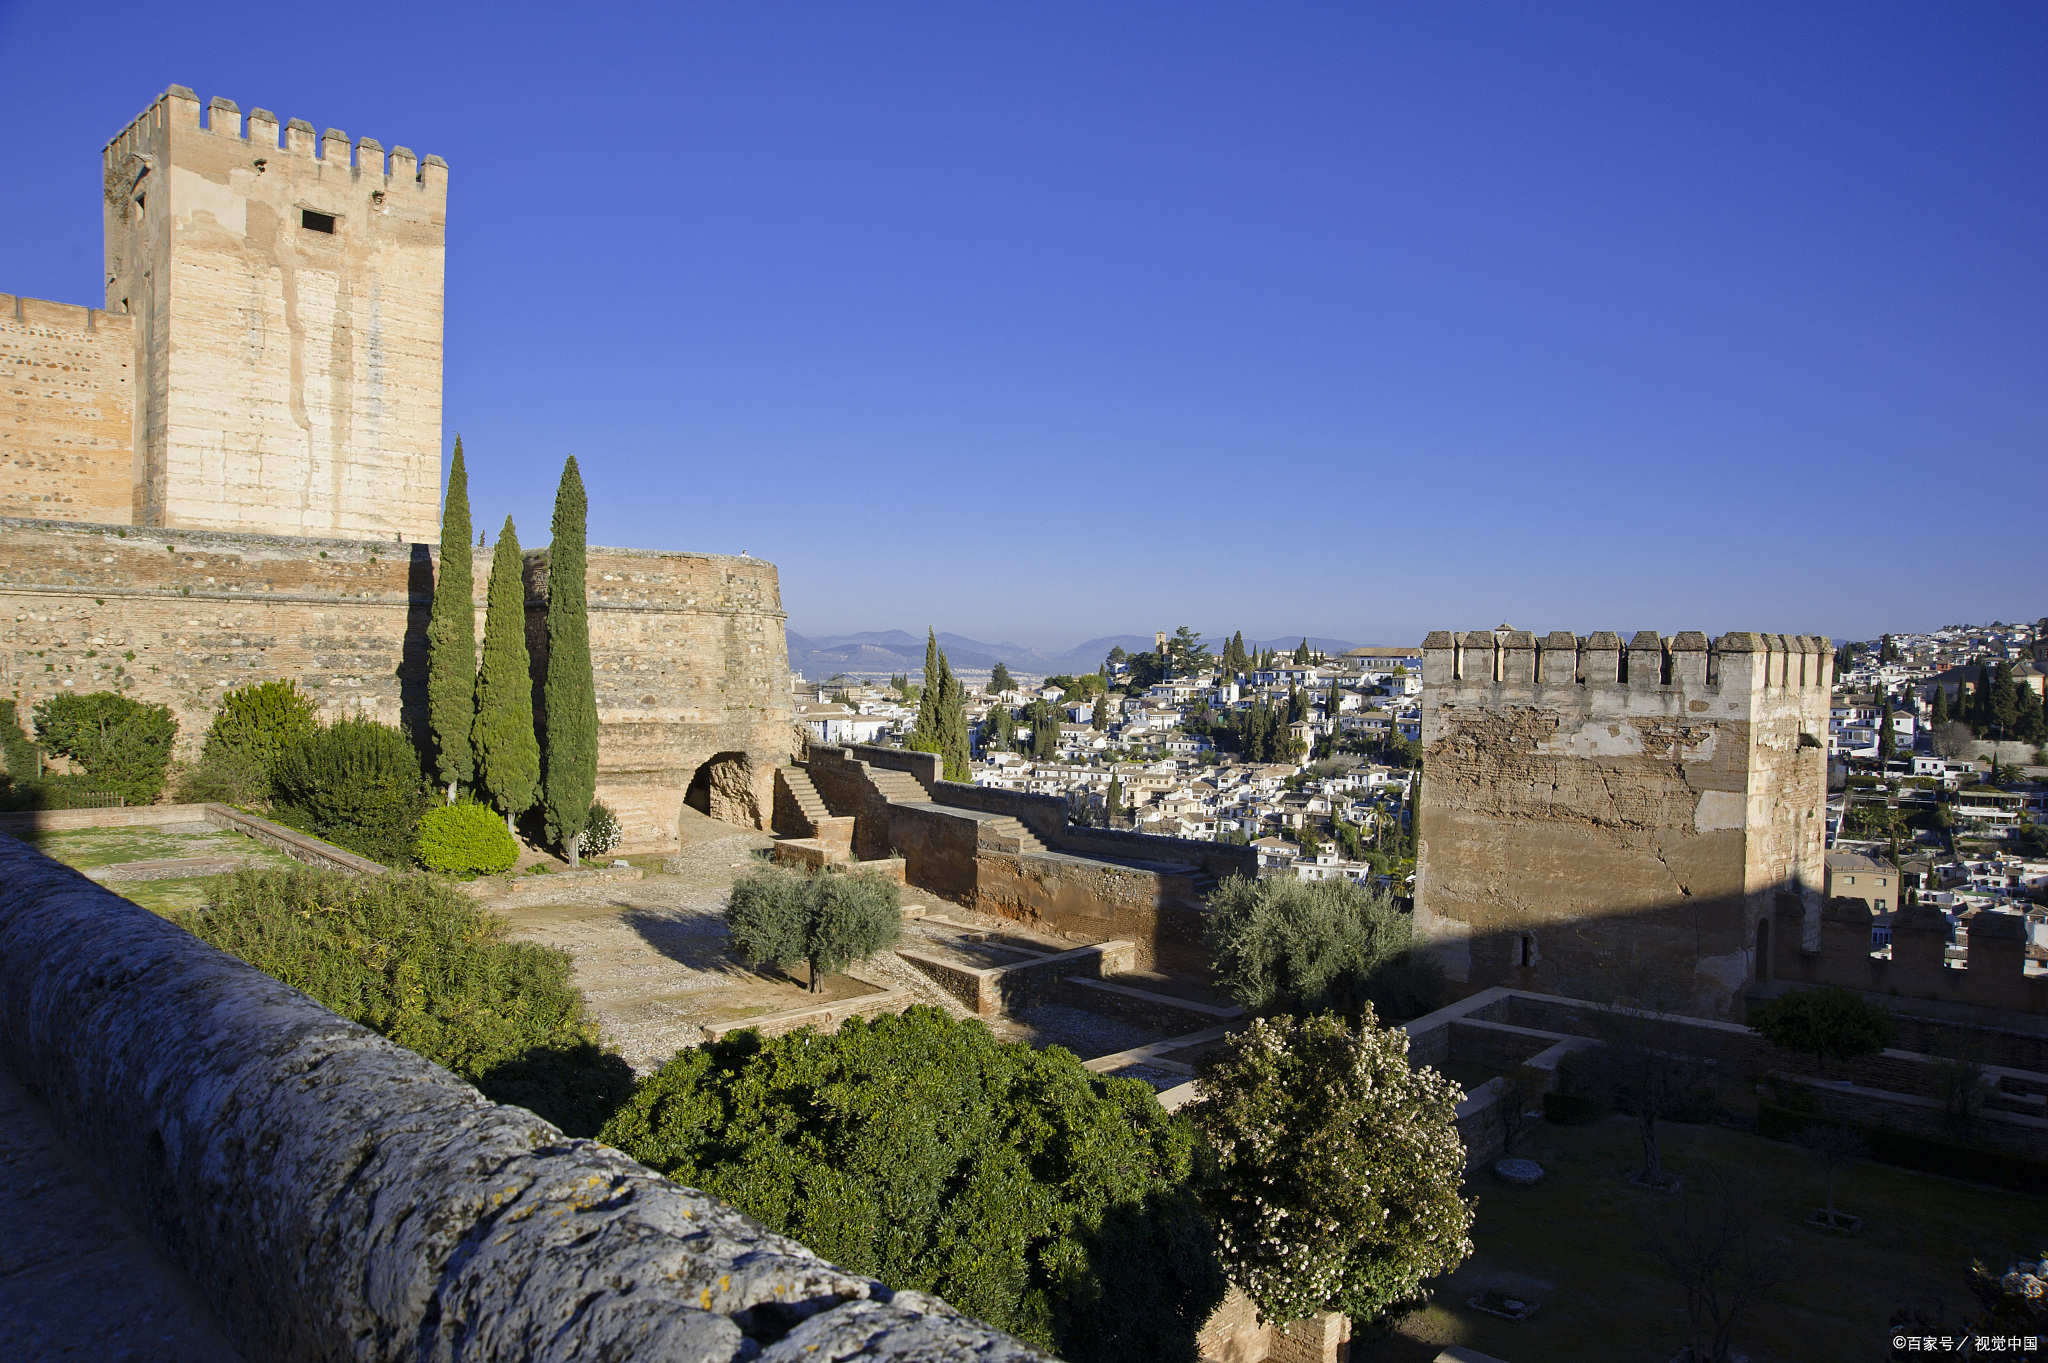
x=990, y=990
x=294, y=844
x=333, y=1195
x=823, y=1017
x=1144, y=1008
x=2013, y=1133
x=1158, y=913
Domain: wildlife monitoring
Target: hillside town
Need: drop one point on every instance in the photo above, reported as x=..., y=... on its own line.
x=1936, y=792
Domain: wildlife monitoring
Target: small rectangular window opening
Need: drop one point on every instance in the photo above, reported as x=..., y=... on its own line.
x=316, y=222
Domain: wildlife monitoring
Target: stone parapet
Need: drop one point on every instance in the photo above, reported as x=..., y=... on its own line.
x=333, y=1195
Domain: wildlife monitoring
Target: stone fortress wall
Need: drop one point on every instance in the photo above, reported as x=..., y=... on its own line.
x=688, y=649
x=234, y=475
x=287, y=305
x=67, y=428
x=1604, y=819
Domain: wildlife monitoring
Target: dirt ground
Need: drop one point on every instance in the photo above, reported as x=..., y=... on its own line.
x=652, y=960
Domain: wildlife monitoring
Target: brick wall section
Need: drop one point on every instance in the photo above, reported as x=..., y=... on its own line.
x=334, y=1195
x=689, y=652
x=67, y=411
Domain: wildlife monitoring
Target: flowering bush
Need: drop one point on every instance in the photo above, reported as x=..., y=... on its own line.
x=600, y=832
x=1337, y=1167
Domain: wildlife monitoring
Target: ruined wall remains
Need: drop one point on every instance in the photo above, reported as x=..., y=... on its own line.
x=67, y=429
x=286, y=301
x=688, y=649
x=1614, y=821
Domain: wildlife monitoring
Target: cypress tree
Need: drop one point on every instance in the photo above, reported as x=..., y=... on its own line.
x=1940, y=716
x=570, y=699
x=1112, y=807
x=952, y=723
x=925, y=737
x=451, y=639
x=507, y=752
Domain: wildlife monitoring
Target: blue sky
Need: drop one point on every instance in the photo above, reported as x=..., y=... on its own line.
x=1045, y=321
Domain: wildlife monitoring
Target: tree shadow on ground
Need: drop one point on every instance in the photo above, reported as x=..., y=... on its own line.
x=578, y=1088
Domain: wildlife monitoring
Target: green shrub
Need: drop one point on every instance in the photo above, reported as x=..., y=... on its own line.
x=262, y=720
x=1832, y=1024
x=1301, y=947
x=465, y=840
x=826, y=920
x=357, y=783
x=20, y=758
x=55, y=791
x=124, y=745
x=600, y=832
x=224, y=776
x=416, y=960
x=1046, y=1200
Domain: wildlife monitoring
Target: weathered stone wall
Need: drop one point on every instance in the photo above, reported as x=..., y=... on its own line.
x=289, y=379
x=688, y=649
x=67, y=433
x=1097, y=900
x=1612, y=821
x=333, y=1195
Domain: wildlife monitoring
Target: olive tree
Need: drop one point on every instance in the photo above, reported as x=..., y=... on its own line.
x=1337, y=1166
x=825, y=920
x=1291, y=946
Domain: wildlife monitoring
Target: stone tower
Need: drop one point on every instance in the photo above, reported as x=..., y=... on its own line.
x=1616, y=821
x=286, y=304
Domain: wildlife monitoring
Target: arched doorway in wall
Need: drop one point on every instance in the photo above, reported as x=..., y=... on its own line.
x=1763, y=951
x=723, y=787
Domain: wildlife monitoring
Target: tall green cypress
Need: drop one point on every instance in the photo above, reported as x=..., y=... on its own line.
x=507, y=752
x=1940, y=715
x=570, y=698
x=451, y=639
x=925, y=737
x=952, y=723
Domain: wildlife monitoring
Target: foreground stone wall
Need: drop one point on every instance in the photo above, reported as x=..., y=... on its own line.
x=689, y=652
x=1611, y=821
x=335, y=1196
x=67, y=422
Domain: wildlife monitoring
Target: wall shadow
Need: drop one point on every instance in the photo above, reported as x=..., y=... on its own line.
x=412, y=653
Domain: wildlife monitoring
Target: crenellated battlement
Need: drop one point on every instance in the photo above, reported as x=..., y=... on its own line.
x=1688, y=662
x=178, y=109
x=1834, y=946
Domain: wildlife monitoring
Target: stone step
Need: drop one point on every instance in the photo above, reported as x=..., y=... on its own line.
x=805, y=795
x=1014, y=830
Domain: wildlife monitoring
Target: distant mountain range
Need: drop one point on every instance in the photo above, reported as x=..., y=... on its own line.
x=882, y=653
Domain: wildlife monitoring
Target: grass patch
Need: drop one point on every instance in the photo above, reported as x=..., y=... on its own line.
x=1574, y=1244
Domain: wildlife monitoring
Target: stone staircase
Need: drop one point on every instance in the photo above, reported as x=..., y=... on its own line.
x=804, y=795
x=898, y=787
x=1009, y=835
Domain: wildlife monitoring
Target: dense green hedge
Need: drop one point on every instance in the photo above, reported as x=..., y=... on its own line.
x=1928, y=1154
x=124, y=745
x=357, y=783
x=1046, y=1200
x=415, y=959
